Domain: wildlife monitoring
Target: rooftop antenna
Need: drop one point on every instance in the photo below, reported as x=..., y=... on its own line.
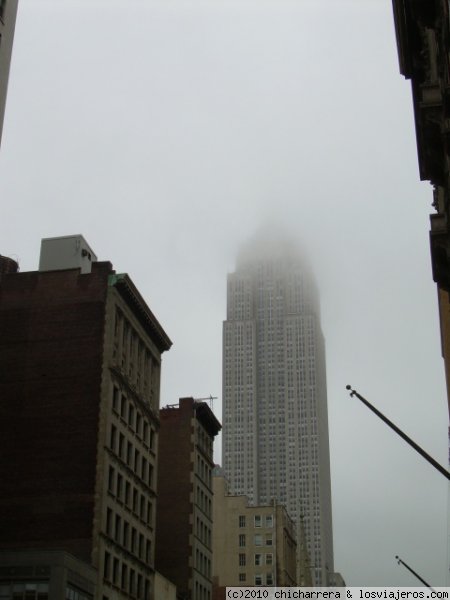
x=416, y=575
x=210, y=399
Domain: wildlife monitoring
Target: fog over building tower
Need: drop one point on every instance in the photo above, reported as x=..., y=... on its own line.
x=275, y=422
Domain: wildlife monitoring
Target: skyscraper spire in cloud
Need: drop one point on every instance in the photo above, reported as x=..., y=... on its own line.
x=275, y=421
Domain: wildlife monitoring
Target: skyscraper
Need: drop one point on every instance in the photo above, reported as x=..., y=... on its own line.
x=275, y=422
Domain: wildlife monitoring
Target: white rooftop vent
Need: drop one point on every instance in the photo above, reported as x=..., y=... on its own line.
x=67, y=252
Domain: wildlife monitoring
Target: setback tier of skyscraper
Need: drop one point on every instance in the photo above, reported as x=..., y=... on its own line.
x=275, y=422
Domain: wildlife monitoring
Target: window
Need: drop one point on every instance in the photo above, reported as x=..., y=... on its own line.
x=123, y=407
x=242, y=540
x=72, y=593
x=269, y=559
x=108, y=521
x=115, y=399
x=131, y=415
x=106, y=565
x=111, y=474
x=269, y=520
x=119, y=486
x=145, y=434
x=242, y=577
x=112, y=441
x=269, y=539
x=136, y=461
x=269, y=579
x=138, y=424
x=118, y=528
x=258, y=560
x=115, y=573
x=150, y=475
x=242, y=560
x=144, y=469
x=258, y=521
x=258, y=540
x=258, y=579
x=241, y=520
x=132, y=582
x=123, y=583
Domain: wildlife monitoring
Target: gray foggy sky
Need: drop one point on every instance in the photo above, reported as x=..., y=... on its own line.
x=168, y=132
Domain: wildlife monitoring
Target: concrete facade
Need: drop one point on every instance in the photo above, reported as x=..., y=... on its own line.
x=252, y=545
x=8, y=13
x=80, y=359
x=275, y=420
x=184, y=519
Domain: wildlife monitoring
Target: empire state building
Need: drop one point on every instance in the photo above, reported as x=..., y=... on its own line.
x=275, y=421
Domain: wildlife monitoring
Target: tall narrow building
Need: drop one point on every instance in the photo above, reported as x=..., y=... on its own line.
x=275, y=422
x=183, y=552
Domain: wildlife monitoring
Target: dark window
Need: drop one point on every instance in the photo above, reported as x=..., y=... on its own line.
x=111, y=479
x=106, y=565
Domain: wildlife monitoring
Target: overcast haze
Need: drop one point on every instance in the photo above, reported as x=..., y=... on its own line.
x=168, y=132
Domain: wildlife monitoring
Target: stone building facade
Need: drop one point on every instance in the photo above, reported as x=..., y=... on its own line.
x=252, y=545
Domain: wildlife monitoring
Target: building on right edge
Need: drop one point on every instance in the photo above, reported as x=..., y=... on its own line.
x=8, y=12
x=423, y=42
x=275, y=421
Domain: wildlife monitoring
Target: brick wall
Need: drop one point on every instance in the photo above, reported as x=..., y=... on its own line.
x=173, y=515
x=51, y=344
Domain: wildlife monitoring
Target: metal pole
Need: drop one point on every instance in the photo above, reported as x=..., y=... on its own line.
x=402, y=562
x=407, y=439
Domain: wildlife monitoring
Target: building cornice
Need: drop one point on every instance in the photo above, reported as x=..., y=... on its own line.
x=126, y=288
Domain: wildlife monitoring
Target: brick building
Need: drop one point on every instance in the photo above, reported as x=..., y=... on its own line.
x=184, y=519
x=80, y=359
